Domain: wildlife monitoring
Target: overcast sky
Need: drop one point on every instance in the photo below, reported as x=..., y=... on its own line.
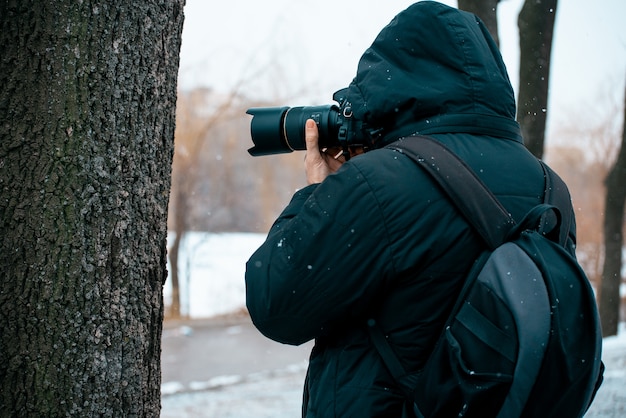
x=301, y=52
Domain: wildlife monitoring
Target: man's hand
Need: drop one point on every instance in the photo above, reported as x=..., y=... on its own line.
x=317, y=164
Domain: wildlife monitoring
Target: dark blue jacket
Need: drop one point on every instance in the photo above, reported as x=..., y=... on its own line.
x=378, y=239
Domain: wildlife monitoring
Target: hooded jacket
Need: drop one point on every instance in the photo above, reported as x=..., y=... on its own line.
x=378, y=239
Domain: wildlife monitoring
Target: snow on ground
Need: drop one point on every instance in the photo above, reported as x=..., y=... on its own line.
x=212, y=268
x=212, y=283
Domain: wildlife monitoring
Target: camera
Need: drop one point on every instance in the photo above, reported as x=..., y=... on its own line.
x=277, y=130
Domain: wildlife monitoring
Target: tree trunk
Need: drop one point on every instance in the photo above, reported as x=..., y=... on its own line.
x=486, y=10
x=615, y=202
x=536, y=25
x=180, y=200
x=87, y=115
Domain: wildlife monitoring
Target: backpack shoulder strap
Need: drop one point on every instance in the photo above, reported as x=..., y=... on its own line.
x=476, y=202
x=486, y=214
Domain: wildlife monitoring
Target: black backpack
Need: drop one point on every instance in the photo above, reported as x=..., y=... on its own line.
x=523, y=339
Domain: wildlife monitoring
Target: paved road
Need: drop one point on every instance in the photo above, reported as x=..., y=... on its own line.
x=207, y=352
x=224, y=368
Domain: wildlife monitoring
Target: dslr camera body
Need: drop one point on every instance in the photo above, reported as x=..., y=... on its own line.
x=278, y=130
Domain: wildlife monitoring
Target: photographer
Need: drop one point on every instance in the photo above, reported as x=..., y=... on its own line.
x=373, y=238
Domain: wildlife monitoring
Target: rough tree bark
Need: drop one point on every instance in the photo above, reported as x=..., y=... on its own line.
x=614, y=206
x=87, y=115
x=536, y=26
x=486, y=10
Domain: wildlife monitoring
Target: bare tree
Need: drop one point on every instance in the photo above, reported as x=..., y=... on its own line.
x=196, y=116
x=486, y=10
x=536, y=26
x=216, y=185
x=87, y=113
x=614, y=206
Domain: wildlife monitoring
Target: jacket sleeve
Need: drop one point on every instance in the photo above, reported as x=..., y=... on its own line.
x=323, y=262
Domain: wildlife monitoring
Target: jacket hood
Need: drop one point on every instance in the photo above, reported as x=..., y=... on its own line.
x=433, y=69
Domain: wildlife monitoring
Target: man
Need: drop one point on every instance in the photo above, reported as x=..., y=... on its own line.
x=375, y=238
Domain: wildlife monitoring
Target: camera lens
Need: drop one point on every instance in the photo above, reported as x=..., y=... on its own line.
x=326, y=118
x=277, y=130
x=266, y=129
